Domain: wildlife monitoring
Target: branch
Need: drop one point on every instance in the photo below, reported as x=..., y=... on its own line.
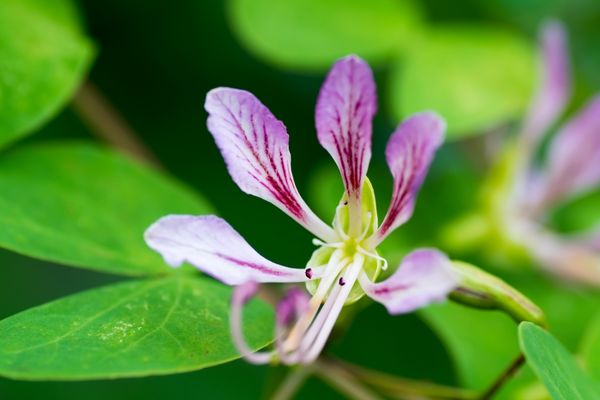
x=104, y=121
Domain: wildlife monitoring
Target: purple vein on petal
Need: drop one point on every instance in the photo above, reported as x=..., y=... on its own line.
x=254, y=145
x=345, y=108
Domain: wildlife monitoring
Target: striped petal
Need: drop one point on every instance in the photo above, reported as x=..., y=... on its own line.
x=555, y=88
x=425, y=276
x=215, y=248
x=409, y=153
x=344, y=113
x=254, y=145
x=573, y=164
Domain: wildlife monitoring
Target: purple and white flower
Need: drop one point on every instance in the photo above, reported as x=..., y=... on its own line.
x=571, y=168
x=346, y=264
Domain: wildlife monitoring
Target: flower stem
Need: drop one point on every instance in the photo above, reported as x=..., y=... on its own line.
x=402, y=388
x=343, y=381
x=514, y=366
x=104, y=121
x=292, y=383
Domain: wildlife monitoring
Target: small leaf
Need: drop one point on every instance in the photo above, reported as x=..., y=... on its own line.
x=555, y=367
x=137, y=328
x=475, y=77
x=312, y=34
x=84, y=206
x=43, y=56
x=483, y=343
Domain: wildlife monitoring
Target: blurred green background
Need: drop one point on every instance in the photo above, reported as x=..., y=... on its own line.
x=156, y=60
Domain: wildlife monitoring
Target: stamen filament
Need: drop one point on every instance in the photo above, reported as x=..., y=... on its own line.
x=330, y=318
x=373, y=255
x=241, y=296
x=335, y=245
x=333, y=268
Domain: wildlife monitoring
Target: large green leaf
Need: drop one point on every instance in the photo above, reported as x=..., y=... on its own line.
x=139, y=328
x=311, y=34
x=43, y=56
x=555, y=367
x=481, y=343
x=475, y=77
x=590, y=348
x=84, y=206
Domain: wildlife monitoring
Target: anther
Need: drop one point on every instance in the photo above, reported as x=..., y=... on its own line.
x=341, y=282
x=308, y=272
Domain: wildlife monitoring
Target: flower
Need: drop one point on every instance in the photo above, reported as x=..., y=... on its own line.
x=571, y=168
x=346, y=264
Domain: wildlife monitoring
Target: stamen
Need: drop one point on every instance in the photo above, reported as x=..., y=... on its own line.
x=335, y=265
x=308, y=272
x=341, y=281
x=325, y=321
x=366, y=229
x=334, y=245
x=241, y=295
x=373, y=255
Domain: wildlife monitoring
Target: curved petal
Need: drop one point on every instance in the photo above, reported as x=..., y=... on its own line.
x=409, y=153
x=425, y=276
x=573, y=164
x=254, y=145
x=345, y=108
x=214, y=247
x=555, y=88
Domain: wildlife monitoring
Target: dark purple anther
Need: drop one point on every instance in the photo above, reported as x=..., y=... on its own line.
x=308, y=272
x=342, y=282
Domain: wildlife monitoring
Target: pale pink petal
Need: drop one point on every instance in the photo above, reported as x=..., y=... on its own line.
x=254, y=145
x=344, y=113
x=573, y=163
x=566, y=259
x=425, y=276
x=214, y=247
x=555, y=87
x=409, y=153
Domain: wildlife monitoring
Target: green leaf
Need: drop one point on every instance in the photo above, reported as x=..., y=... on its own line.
x=590, y=348
x=483, y=343
x=43, y=57
x=476, y=77
x=84, y=206
x=311, y=34
x=555, y=367
x=138, y=328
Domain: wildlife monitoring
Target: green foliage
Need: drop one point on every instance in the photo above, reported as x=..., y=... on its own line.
x=43, y=56
x=311, y=34
x=555, y=367
x=139, y=328
x=590, y=348
x=476, y=77
x=84, y=206
x=483, y=343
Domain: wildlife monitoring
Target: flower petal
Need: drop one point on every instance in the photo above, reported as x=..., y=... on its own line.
x=344, y=113
x=566, y=259
x=254, y=145
x=425, y=276
x=573, y=164
x=409, y=153
x=214, y=247
x=555, y=88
